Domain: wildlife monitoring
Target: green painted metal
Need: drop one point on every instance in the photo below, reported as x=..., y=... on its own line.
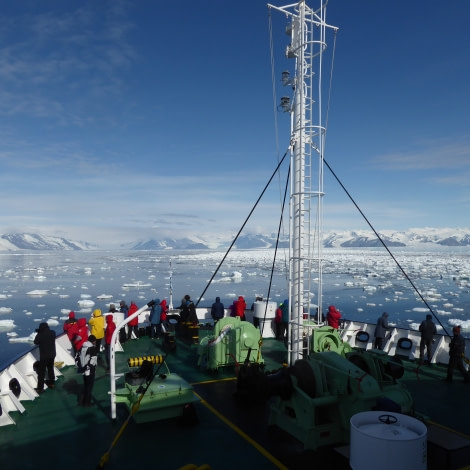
x=328, y=389
x=326, y=338
x=166, y=397
x=233, y=342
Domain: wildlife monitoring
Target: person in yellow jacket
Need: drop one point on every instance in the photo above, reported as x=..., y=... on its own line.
x=97, y=327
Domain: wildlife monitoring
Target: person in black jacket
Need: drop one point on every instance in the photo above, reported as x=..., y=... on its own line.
x=456, y=353
x=45, y=339
x=428, y=330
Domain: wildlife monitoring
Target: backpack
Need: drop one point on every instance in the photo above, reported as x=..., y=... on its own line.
x=78, y=362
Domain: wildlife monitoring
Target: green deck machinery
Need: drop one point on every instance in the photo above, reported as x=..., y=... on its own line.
x=314, y=399
x=234, y=342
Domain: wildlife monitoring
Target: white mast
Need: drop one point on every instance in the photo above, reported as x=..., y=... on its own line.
x=307, y=29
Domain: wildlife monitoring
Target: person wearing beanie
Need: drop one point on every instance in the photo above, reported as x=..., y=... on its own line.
x=88, y=360
x=380, y=330
x=97, y=326
x=456, y=355
x=333, y=316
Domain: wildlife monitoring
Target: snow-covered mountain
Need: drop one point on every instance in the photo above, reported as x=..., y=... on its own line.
x=33, y=241
x=342, y=239
x=422, y=237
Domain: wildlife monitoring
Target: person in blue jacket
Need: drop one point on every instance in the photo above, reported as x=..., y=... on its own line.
x=155, y=320
x=217, y=310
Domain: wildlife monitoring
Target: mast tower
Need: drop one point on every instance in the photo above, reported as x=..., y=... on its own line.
x=307, y=29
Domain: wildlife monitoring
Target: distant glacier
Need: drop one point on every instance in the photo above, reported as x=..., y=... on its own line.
x=418, y=237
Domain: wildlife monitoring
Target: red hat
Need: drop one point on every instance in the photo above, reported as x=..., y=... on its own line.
x=332, y=308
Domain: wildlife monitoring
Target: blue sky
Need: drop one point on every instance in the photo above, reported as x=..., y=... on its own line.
x=123, y=121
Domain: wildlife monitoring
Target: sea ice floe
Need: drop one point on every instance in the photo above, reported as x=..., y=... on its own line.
x=5, y=310
x=24, y=339
x=104, y=297
x=465, y=324
x=86, y=303
x=7, y=325
x=38, y=292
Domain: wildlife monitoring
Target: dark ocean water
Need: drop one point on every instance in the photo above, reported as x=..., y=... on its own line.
x=361, y=283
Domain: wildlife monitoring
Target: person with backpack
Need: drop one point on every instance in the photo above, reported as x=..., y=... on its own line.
x=87, y=366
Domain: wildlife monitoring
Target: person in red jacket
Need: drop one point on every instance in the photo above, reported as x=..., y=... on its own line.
x=240, y=307
x=333, y=316
x=164, y=314
x=133, y=325
x=71, y=328
x=82, y=334
x=108, y=334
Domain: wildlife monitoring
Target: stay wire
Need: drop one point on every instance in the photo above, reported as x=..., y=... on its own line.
x=277, y=243
x=243, y=225
x=386, y=247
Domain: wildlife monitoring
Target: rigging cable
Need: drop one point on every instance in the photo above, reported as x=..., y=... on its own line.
x=386, y=247
x=357, y=207
x=243, y=225
x=274, y=258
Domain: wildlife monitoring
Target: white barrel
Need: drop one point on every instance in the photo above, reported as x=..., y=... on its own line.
x=260, y=309
x=387, y=441
x=266, y=323
x=118, y=317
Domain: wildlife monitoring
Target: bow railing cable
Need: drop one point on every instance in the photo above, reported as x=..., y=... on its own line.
x=386, y=247
x=243, y=225
x=135, y=407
